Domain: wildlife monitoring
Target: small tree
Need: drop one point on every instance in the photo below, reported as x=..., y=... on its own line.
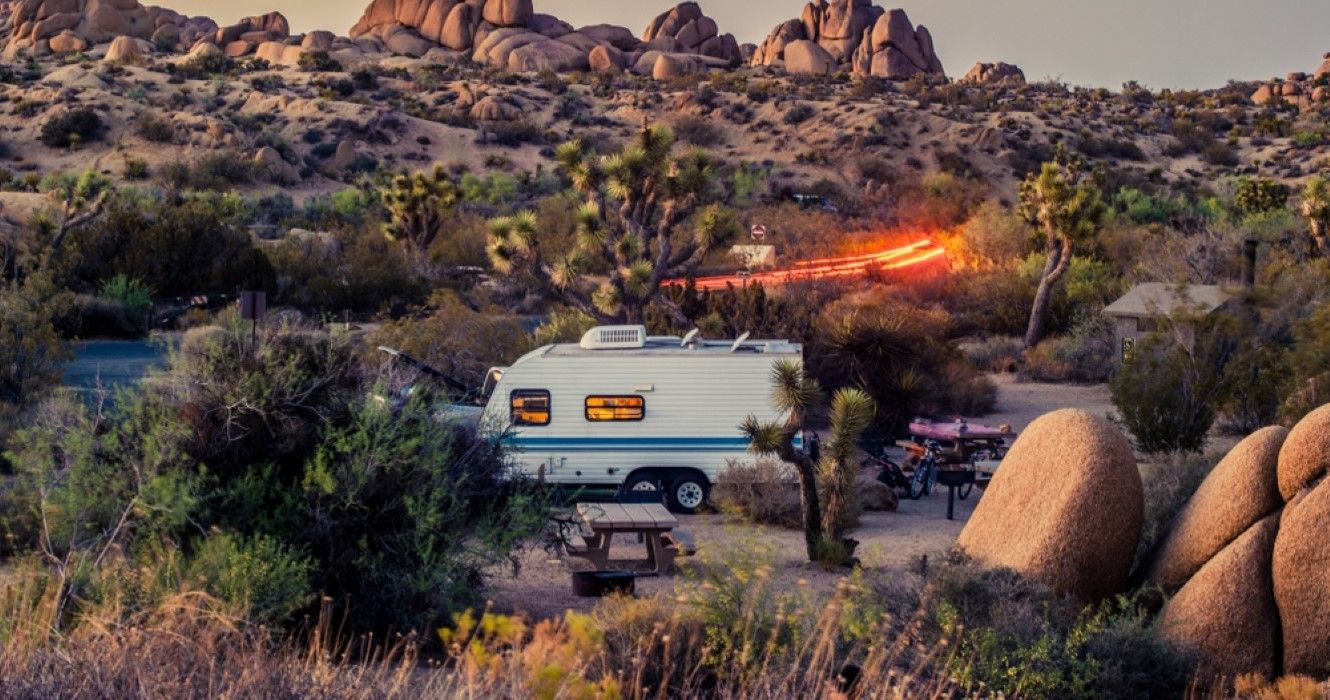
x=1316, y=209
x=637, y=201
x=418, y=205
x=800, y=395
x=1259, y=195
x=1068, y=208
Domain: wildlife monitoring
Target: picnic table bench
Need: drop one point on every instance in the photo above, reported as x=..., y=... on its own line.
x=600, y=522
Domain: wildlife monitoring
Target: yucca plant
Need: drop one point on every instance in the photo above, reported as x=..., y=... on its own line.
x=418, y=205
x=636, y=201
x=800, y=396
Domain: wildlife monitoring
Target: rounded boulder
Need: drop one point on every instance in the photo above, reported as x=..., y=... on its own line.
x=1066, y=508
x=1240, y=491
x=1226, y=613
x=1301, y=573
x=1305, y=457
x=804, y=57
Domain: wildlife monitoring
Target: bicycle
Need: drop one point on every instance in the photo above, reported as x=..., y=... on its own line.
x=913, y=487
x=925, y=471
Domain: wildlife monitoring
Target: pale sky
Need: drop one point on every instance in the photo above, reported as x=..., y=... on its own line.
x=1161, y=43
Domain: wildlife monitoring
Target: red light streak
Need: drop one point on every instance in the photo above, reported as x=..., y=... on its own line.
x=831, y=268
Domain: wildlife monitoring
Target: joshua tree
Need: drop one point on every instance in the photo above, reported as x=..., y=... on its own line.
x=418, y=204
x=1316, y=209
x=637, y=202
x=851, y=411
x=1062, y=201
x=82, y=200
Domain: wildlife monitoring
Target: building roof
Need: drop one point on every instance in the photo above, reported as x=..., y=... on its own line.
x=1156, y=299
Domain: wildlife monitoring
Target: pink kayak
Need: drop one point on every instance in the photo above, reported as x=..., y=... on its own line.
x=952, y=431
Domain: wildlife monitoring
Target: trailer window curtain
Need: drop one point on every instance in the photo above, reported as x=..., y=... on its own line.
x=615, y=408
x=530, y=407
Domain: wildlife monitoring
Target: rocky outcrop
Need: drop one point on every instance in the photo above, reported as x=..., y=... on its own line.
x=270, y=165
x=62, y=26
x=685, y=29
x=1236, y=583
x=247, y=35
x=862, y=38
x=1297, y=89
x=1239, y=492
x=994, y=74
x=1069, y=486
x=1305, y=456
x=1324, y=70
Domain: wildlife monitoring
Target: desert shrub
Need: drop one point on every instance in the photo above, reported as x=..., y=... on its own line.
x=344, y=270
x=456, y=340
x=1085, y=354
x=98, y=317
x=562, y=325
x=799, y=114
x=1168, y=391
x=993, y=236
x=136, y=169
x=998, y=354
x=204, y=66
x=177, y=247
x=213, y=171
x=270, y=466
x=698, y=131
x=129, y=292
x=901, y=356
x=155, y=127
x=515, y=133
x=762, y=492
x=32, y=354
x=318, y=61
x=1259, y=195
x=72, y=127
x=1014, y=637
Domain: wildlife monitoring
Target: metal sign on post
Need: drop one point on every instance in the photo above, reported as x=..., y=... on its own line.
x=253, y=308
x=759, y=232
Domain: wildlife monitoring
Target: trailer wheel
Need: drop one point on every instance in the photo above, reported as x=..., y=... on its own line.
x=642, y=481
x=688, y=492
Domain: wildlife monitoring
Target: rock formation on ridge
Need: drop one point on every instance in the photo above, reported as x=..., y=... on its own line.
x=861, y=37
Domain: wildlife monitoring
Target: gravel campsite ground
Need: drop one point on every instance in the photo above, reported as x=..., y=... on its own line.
x=891, y=544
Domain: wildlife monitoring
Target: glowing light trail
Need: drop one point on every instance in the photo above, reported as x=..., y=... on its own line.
x=916, y=253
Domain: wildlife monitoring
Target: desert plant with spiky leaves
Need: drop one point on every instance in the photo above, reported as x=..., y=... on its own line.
x=800, y=396
x=418, y=205
x=1316, y=210
x=637, y=204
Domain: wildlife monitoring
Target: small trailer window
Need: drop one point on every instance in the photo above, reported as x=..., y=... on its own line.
x=615, y=408
x=530, y=407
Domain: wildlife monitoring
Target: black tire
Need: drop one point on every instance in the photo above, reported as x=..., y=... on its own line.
x=688, y=492
x=919, y=481
x=645, y=480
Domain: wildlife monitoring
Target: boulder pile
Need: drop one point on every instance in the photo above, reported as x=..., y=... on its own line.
x=63, y=26
x=510, y=35
x=1246, y=562
x=994, y=74
x=857, y=36
x=1298, y=89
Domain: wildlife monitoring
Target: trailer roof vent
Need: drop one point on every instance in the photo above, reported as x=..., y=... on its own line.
x=615, y=338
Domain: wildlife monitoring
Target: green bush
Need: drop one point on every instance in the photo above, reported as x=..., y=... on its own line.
x=318, y=61
x=72, y=127
x=1168, y=392
x=155, y=128
x=131, y=293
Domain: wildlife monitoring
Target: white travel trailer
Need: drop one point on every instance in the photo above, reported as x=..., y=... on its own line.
x=621, y=409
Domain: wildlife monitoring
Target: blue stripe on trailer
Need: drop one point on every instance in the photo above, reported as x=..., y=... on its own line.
x=584, y=444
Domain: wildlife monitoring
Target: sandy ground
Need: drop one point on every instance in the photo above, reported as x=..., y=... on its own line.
x=891, y=544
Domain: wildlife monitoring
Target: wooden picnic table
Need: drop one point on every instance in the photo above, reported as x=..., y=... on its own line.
x=602, y=521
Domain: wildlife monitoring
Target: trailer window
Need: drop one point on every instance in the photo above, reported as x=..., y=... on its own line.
x=530, y=407
x=615, y=408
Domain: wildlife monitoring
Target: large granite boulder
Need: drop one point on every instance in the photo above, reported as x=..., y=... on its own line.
x=804, y=57
x=1301, y=574
x=1305, y=457
x=1066, y=508
x=1226, y=613
x=127, y=49
x=1239, y=492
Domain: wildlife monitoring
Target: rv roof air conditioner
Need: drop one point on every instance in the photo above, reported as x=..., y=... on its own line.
x=615, y=338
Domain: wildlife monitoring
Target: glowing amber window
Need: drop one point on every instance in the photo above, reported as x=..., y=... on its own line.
x=615, y=408
x=530, y=407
